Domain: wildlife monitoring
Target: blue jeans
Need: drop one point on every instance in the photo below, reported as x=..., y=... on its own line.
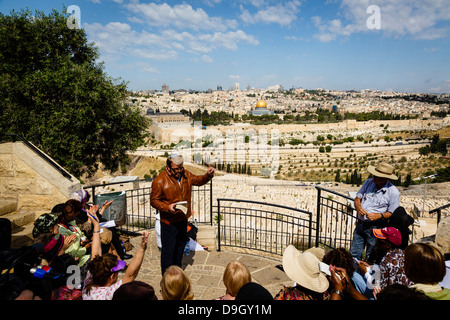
x=363, y=238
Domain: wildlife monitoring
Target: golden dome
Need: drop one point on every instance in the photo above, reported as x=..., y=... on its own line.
x=261, y=104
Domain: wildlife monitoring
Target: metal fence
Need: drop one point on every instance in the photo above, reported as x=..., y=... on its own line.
x=335, y=219
x=441, y=212
x=262, y=226
x=140, y=215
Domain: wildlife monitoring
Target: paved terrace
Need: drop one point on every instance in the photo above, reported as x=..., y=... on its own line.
x=206, y=268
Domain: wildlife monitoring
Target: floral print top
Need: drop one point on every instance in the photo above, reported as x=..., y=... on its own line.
x=392, y=269
x=300, y=293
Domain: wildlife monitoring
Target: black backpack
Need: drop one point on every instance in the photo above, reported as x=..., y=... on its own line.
x=401, y=220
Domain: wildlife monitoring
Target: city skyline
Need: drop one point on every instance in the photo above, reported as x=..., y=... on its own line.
x=335, y=44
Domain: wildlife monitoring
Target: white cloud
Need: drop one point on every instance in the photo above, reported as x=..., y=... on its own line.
x=116, y=38
x=207, y=59
x=181, y=16
x=282, y=13
x=417, y=19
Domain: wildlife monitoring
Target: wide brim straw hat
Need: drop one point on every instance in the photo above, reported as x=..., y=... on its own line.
x=303, y=268
x=383, y=170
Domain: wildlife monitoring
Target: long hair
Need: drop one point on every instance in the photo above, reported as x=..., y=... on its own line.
x=100, y=270
x=175, y=284
x=424, y=263
x=235, y=276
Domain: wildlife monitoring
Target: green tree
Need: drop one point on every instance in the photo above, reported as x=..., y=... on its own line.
x=337, y=178
x=55, y=94
x=408, y=180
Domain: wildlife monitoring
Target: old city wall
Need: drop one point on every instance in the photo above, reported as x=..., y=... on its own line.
x=174, y=133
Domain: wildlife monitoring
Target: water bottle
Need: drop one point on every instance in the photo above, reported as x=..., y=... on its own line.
x=187, y=249
x=195, y=223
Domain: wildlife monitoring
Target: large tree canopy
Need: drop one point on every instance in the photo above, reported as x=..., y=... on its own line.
x=55, y=94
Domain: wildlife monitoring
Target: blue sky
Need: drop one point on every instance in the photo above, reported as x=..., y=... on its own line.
x=298, y=43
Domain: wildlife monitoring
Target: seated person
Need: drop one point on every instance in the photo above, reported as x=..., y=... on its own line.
x=343, y=259
x=102, y=278
x=46, y=231
x=310, y=283
x=176, y=285
x=69, y=228
x=235, y=276
x=425, y=266
x=113, y=239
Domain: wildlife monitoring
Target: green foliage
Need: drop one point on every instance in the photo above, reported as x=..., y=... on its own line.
x=55, y=94
x=443, y=174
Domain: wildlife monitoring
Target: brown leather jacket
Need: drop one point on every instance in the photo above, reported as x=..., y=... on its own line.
x=167, y=190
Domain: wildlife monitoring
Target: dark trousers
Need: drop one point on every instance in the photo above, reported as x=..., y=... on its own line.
x=173, y=242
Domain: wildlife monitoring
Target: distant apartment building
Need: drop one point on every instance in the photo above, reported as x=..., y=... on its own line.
x=275, y=88
x=165, y=88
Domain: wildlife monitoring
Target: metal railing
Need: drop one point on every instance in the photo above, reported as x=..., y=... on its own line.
x=262, y=226
x=439, y=211
x=141, y=215
x=335, y=219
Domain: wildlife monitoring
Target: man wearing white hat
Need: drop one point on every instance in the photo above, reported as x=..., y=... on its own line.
x=375, y=202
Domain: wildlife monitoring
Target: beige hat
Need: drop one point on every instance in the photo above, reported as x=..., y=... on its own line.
x=317, y=251
x=383, y=170
x=303, y=268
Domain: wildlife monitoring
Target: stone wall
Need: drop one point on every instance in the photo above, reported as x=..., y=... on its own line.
x=167, y=134
x=30, y=183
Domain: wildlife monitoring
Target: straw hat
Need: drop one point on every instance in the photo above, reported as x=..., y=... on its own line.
x=303, y=268
x=383, y=170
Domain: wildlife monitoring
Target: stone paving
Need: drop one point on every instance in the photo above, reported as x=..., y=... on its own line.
x=205, y=269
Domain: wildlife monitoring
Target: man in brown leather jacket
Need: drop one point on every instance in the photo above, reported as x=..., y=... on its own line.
x=173, y=185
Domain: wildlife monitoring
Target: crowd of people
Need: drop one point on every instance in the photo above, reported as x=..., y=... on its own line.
x=73, y=230
x=380, y=264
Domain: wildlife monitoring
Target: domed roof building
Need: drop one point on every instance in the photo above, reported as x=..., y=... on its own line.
x=261, y=104
x=261, y=109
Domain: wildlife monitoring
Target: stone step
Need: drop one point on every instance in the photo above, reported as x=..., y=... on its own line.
x=22, y=236
x=22, y=224
x=21, y=218
x=7, y=206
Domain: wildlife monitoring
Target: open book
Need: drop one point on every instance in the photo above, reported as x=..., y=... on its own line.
x=182, y=205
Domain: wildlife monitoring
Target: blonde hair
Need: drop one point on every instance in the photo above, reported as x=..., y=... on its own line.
x=235, y=276
x=175, y=284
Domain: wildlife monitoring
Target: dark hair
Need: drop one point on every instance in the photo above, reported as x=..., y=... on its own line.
x=398, y=291
x=100, y=269
x=341, y=258
x=424, y=263
x=58, y=209
x=135, y=290
x=71, y=206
